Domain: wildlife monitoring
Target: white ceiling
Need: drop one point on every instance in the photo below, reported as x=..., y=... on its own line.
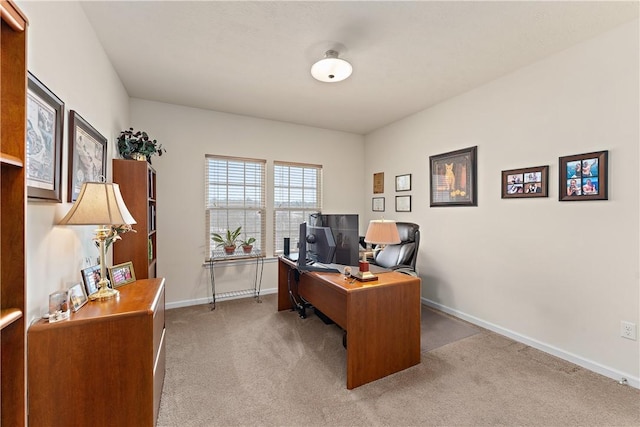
x=253, y=58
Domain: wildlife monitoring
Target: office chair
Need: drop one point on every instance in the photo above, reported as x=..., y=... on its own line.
x=402, y=256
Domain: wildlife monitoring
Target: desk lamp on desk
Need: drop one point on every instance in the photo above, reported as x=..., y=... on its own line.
x=380, y=232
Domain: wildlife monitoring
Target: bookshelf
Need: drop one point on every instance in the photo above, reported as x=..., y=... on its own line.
x=13, y=99
x=137, y=181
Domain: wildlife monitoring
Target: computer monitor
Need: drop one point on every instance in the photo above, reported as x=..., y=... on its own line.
x=321, y=246
x=345, y=229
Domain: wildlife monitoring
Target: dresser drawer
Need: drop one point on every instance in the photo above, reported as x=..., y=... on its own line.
x=158, y=325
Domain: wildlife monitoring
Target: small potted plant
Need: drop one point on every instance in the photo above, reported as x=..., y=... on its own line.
x=228, y=241
x=138, y=146
x=247, y=245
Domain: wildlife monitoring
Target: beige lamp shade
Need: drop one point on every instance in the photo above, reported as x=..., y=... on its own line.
x=382, y=232
x=99, y=203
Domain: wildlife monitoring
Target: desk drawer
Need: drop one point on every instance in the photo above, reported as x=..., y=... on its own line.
x=158, y=325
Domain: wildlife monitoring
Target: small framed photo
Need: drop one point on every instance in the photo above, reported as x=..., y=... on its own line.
x=122, y=274
x=378, y=183
x=403, y=203
x=377, y=204
x=403, y=182
x=58, y=306
x=77, y=297
x=454, y=178
x=87, y=155
x=525, y=183
x=45, y=116
x=584, y=177
x=91, y=277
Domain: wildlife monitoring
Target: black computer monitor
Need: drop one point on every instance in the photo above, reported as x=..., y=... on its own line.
x=321, y=246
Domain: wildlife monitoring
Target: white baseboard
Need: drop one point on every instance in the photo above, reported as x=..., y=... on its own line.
x=224, y=297
x=580, y=361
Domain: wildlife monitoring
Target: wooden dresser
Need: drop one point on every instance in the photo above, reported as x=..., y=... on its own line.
x=104, y=366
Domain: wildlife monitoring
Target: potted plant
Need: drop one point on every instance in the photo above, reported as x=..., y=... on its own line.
x=247, y=245
x=228, y=241
x=138, y=146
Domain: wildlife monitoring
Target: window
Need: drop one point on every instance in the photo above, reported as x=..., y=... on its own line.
x=297, y=192
x=235, y=196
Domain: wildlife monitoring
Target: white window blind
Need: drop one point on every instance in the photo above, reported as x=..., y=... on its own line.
x=235, y=197
x=297, y=192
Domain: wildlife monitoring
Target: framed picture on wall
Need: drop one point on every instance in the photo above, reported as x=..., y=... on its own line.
x=525, y=183
x=584, y=177
x=377, y=204
x=378, y=183
x=45, y=117
x=403, y=203
x=403, y=182
x=454, y=178
x=87, y=155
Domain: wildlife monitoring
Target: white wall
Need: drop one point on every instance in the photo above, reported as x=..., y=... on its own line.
x=188, y=134
x=64, y=53
x=558, y=275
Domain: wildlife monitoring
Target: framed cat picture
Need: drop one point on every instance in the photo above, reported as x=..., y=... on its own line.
x=454, y=178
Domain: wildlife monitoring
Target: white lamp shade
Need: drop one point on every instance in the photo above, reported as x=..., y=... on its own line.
x=99, y=203
x=331, y=69
x=382, y=232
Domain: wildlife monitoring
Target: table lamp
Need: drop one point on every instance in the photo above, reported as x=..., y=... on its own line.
x=380, y=232
x=100, y=203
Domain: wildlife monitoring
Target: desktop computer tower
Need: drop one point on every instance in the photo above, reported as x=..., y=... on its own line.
x=344, y=228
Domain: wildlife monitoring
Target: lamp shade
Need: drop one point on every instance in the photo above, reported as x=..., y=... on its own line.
x=99, y=203
x=382, y=232
x=331, y=69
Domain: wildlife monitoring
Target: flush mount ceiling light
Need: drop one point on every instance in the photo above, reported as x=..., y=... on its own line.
x=331, y=69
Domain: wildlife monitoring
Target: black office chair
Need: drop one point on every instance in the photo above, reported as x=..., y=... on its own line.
x=402, y=256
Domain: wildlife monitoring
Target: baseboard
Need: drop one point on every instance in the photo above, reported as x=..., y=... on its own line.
x=225, y=297
x=580, y=361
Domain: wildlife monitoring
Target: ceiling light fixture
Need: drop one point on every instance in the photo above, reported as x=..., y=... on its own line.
x=331, y=69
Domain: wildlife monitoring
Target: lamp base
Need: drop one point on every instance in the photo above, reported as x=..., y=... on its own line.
x=365, y=276
x=104, y=293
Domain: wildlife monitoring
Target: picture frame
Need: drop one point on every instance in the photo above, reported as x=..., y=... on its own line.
x=90, y=278
x=77, y=297
x=454, y=178
x=122, y=274
x=403, y=182
x=378, y=183
x=45, y=119
x=403, y=203
x=58, y=306
x=377, y=204
x=525, y=182
x=87, y=155
x=584, y=177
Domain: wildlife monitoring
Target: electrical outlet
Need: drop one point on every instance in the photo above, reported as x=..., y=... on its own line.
x=628, y=330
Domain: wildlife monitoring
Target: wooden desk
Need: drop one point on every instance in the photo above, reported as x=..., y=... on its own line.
x=381, y=318
x=104, y=366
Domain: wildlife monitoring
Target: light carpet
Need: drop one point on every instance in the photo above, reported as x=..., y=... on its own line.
x=246, y=364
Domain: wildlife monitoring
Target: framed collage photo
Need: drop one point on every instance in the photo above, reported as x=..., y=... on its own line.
x=525, y=183
x=454, y=178
x=45, y=117
x=122, y=274
x=87, y=155
x=583, y=177
x=377, y=204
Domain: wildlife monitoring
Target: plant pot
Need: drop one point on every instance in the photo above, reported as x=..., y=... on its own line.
x=229, y=250
x=139, y=156
x=247, y=249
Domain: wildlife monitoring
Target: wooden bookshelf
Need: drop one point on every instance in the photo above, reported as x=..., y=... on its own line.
x=137, y=181
x=13, y=99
